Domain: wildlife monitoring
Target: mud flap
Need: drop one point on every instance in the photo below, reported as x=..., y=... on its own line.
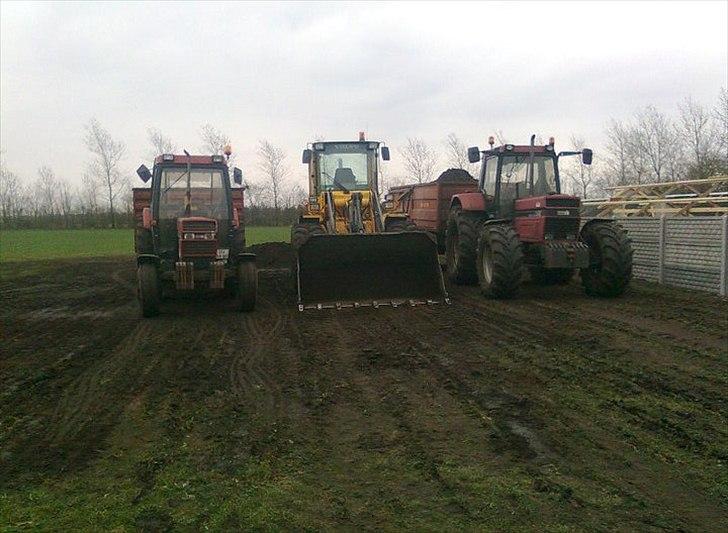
x=357, y=270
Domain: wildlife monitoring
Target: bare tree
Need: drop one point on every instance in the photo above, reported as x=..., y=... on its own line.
x=161, y=144
x=655, y=136
x=65, y=202
x=10, y=194
x=214, y=141
x=46, y=191
x=720, y=116
x=419, y=160
x=457, y=153
x=695, y=128
x=89, y=197
x=104, y=167
x=580, y=175
x=272, y=164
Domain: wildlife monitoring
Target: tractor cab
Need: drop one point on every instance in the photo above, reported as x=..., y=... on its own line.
x=192, y=206
x=511, y=172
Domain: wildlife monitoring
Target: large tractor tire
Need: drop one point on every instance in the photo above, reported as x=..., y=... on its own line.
x=247, y=277
x=461, y=242
x=552, y=276
x=610, y=259
x=499, y=261
x=149, y=289
x=402, y=225
x=301, y=232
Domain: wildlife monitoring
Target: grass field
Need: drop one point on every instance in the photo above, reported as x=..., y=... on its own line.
x=27, y=245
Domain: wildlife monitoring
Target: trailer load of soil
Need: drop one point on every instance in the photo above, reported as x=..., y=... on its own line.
x=452, y=175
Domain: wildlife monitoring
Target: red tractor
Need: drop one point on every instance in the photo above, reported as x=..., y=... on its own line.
x=189, y=232
x=515, y=218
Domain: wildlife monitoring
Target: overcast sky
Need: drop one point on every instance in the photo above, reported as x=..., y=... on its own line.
x=289, y=71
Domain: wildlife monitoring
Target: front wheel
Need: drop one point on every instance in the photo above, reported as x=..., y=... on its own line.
x=461, y=240
x=247, y=285
x=499, y=261
x=149, y=289
x=610, y=259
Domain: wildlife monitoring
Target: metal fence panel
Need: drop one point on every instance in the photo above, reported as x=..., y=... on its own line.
x=688, y=252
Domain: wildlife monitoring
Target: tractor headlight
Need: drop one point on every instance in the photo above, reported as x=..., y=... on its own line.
x=314, y=206
x=209, y=236
x=217, y=159
x=548, y=237
x=188, y=236
x=167, y=157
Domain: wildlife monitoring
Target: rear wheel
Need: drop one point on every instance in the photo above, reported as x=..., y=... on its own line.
x=499, y=261
x=149, y=289
x=552, y=276
x=610, y=260
x=247, y=285
x=461, y=241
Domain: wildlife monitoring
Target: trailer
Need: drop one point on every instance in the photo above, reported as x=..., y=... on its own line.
x=428, y=204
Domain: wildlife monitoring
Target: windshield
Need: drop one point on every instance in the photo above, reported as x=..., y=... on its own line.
x=207, y=193
x=343, y=166
x=517, y=181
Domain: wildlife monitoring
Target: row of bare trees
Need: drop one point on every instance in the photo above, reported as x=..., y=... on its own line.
x=104, y=196
x=651, y=146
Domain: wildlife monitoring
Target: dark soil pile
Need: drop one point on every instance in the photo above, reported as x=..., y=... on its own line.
x=273, y=254
x=454, y=175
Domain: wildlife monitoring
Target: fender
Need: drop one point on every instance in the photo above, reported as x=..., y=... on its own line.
x=246, y=258
x=469, y=201
x=143, y=259
x=595, y=220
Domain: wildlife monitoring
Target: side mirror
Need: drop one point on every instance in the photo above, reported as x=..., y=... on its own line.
x=238, y=176
x=586, y=156
x=473, y=154
x=385, y=153
x=144, y=174
x=306, y=159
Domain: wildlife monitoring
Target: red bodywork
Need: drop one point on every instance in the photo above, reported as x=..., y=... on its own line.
x=197, y=237
x=470, y=201
x=556, y=215
x=428, y=204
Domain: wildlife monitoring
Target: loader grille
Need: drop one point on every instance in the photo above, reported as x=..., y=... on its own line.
x=189, y=248
x=199, y=226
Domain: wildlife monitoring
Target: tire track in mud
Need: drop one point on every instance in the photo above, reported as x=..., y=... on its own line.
x=88, y=393
x=248, y=376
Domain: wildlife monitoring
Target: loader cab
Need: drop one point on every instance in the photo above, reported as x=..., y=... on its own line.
x=343, y=166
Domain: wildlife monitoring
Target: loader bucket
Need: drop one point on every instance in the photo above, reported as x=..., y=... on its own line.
x=354, y=270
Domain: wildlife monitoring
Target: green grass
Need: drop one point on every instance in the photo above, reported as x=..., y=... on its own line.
x=38, y=244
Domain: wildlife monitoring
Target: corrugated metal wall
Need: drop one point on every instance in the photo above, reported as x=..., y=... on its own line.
x=690, y=252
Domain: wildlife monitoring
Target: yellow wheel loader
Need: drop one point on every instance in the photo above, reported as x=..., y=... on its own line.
x=350, y=254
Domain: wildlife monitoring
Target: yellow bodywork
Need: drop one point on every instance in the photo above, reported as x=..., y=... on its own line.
x=341, y=201
x=349, y=259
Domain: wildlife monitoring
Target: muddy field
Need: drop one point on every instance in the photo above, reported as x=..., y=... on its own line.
x=551, y=412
